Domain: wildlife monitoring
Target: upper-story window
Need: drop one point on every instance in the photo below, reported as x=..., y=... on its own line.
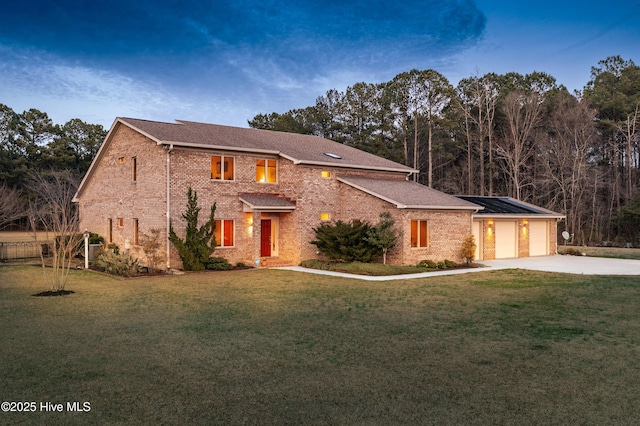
x=222, y=167
x=266, y=171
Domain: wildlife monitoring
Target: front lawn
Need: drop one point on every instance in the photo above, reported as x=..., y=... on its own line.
x=280, y=347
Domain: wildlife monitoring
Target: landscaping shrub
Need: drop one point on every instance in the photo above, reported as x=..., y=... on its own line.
x=95, y=238
x=571, y=251
x=440, y=265
x=217, y=264
x=450, y=263
x=115, y=263
x=199, y=242
x=151, y=245
x=113, y=247
x=468, y=251
x=428, y=263
x=347, y=242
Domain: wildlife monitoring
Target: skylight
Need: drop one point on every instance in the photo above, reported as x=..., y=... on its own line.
x=336, y=156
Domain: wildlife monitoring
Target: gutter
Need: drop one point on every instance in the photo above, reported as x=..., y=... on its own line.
x=218, y=147
x=168, y=218
x=532, y=216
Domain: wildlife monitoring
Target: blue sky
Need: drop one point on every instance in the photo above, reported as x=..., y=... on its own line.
x=225, y=62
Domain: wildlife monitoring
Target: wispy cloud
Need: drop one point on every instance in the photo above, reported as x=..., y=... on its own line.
x=223, y=59
x=55, y=87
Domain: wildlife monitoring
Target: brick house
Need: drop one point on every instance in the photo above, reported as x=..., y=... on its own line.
x=271, y=190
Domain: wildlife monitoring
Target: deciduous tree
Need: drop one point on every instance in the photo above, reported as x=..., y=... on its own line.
x=12, y=206
x=52, y=210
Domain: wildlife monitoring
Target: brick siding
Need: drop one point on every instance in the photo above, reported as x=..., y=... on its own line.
x=110, y=193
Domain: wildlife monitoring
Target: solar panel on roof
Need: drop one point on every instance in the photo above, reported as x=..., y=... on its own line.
x=497, y=205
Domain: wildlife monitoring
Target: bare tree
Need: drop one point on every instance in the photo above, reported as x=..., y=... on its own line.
x=12, y=207
x=564, y=156
x=522, y=112
x=52, y=211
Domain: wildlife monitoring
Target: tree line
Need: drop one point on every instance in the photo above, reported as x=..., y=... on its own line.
x=523, y=136
x=34, y=150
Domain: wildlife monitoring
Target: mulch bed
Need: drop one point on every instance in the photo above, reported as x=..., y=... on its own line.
x=53, y=293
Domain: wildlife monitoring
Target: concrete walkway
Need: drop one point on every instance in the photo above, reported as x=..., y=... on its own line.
x=556, y=263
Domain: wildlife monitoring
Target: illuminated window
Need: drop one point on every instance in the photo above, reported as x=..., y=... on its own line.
x=325, y=217
x=224, y=233
x=266, y=171
x=325, y=174
x=120, y=221
x=222, y=168
x=121, y=160
x=419, y=233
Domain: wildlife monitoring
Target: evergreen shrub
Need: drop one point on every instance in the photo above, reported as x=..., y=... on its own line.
x=218, y=264
x=346, y=242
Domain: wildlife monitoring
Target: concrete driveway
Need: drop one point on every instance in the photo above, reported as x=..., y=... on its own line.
x=570, y=265
x=556, y=263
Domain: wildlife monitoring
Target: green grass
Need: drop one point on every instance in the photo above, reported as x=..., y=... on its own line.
x=279, y=347
x=611, y=252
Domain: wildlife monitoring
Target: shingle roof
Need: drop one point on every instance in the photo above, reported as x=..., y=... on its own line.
x=301, y=149
x=497, y=206
x=408, y=195
x=267, y=202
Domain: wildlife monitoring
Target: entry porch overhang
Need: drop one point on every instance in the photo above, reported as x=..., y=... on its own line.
x=273, y=203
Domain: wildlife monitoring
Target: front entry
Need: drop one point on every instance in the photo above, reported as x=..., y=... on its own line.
x=265, y=238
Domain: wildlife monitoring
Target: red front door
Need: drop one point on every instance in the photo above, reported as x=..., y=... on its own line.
x=265, y=238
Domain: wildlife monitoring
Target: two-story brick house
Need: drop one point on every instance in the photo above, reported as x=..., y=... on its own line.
x=271, y=190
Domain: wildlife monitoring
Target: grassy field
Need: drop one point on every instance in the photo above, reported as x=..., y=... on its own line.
x=278, y=347
x=20, y=237
x=614, y=252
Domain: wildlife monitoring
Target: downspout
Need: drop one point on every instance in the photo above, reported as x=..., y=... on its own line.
x=169, y=149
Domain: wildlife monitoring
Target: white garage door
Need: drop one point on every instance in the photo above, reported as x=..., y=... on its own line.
x=538, y=238
x=506, y=242
x=476, y=236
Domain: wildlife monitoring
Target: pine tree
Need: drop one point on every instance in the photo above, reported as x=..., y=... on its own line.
x=199, y=242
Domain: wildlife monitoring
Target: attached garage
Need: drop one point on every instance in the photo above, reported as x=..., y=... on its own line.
x=507, y=228
x=506, y=239
x=538, y=238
